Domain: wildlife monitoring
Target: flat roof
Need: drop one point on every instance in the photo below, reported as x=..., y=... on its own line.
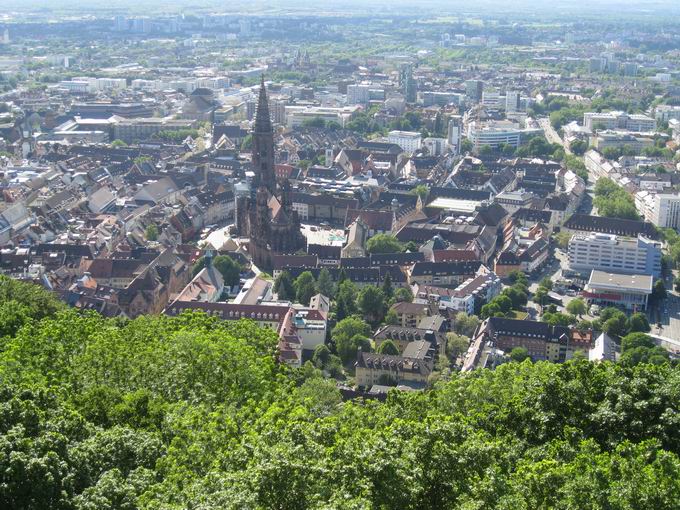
x=620, y=281
x=454, y=204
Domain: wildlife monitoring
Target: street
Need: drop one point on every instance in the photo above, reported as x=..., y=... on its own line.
x=551, y=135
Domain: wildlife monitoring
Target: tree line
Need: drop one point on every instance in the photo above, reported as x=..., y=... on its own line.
x=192, y=412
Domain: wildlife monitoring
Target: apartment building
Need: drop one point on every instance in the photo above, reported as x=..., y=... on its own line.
x=618, y=120
x=661, y=209
x=608, y=252
x=409, y=141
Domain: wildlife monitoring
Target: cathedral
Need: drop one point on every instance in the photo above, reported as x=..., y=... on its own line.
x=266, y=216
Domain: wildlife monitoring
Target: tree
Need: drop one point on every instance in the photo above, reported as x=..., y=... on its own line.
x=558, y=319
x=579, y=147
x=456, y=345
x=371, y=303
x=388, y=347
x=659, y=291
x=517, y=295
x=345, y=300
x=383, y=243
x=577, y=307
x=465, y=324
x=615, y=325
x=411, y=247
x=345, y=334
x=116, y=144
x=518, y=276
x=305, y=287
x=638, y=323
x=284, y=286
x=403, y=295
x=386, y=287
x=151, y=232
x=540, y=295
x=324, y=284
x=421, y=191
x=562, y=239
x=546, y=283
x=228, y=268
x=391, y=318
x=519, y=354
x=322, y=356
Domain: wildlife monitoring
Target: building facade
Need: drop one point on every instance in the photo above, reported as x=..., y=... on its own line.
x=609, y=252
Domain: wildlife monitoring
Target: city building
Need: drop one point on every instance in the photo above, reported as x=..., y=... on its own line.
x=409, y=141
x=615, y=140
x=617, y=289
x=543, y=341
x=497, y=132
x=596, y=121
x=608, y=252
x=665, y=112
x=660, y=209
x=455, y=133
x=140, y=129
x=512, y=101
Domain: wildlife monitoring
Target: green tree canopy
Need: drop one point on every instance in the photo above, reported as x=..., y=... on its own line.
x=383, y=243
x=228, y=268
x=388, y=347
x=305, y=287
x=284, y=286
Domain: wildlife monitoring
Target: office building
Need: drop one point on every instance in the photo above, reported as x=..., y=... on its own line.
x=407, y=83
x=512, y=101
x=665, y=112
x=455, y=133
x=617, y=289
x=665, y=212
x=607, y=252
x=492, y=99
x=358, y=94
x=430, y=98
x=409, y=141
x=618, y=120
x=615, y=140
x=474, y=90
x=496, y=132
x=131, y=130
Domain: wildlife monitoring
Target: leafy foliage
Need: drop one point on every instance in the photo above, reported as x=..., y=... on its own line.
x=191, y=412
x=383, y=243
x=613, y=201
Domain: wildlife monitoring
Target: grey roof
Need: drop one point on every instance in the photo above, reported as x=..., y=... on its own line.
x=622, y=282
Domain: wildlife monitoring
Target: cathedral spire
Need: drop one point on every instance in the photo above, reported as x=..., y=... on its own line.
x=263, y=144
x=263, y=122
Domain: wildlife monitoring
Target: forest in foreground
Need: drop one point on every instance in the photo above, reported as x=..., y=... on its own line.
x=194, y=413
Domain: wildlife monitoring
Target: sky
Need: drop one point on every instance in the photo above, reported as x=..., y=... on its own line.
x=535, y=7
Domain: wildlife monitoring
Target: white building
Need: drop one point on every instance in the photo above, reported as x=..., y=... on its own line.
x=512, y=101
x=616, y=289
x=296, y=115
x=435, y=146
x=618, y=120
x=495, y=133
x=665, y=112
x=358, y=94
x=492, y=99
x=455, y=133
x=609, y=252
x=665, y=210
x=410, y=141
